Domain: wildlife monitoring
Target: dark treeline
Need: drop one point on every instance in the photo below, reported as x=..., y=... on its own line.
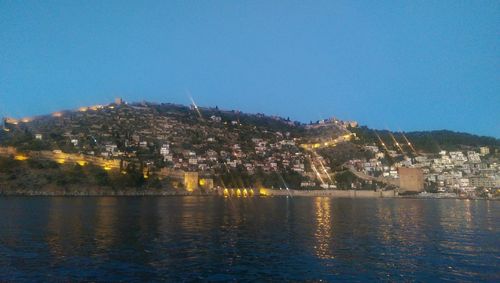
x=426, y=141
x=40, y=174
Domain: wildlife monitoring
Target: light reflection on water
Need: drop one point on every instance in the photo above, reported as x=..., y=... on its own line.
x=205, y=238
x=323, y=234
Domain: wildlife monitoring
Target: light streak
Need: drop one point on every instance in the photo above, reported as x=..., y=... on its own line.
x=323, y=167
x=317, y=173
x=381, y=142
x=396, y=143
x=195, y=106
x=409, y=143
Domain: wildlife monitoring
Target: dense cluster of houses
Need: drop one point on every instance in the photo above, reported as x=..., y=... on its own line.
x=167, y=137
x=468, y=172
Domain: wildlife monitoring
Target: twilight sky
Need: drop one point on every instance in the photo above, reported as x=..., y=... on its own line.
x=409, y=65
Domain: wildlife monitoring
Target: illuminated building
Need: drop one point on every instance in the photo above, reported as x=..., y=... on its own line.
x=191, y=181
x=10, y=121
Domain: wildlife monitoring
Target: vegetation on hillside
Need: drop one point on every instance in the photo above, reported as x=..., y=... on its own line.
x=425, y=141
x=45, y=175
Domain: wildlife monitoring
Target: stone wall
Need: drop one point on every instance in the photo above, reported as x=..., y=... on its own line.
x=331, y=193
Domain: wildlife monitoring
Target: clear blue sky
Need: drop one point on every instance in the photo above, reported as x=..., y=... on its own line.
x=409, y=65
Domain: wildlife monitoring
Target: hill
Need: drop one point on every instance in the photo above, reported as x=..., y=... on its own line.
x=152, y=144
x=425, y=141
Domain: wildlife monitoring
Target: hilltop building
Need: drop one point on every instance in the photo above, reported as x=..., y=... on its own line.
x=118, y=101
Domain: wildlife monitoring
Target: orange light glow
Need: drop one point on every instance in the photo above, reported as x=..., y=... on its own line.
x=95, y=107
x=81, y=162
x=11, y=121
x=21, y=157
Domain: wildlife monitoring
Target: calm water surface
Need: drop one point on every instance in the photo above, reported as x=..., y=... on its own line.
x=209, y=238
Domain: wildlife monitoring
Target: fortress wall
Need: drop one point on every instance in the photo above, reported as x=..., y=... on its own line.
x=332, y=193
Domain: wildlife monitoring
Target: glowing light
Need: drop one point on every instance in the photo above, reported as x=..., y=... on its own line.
x=238, y=193
x=95, y=107
x=202, y=182
x=26, y=120
x=11, y=121
x=245, y=193
x=107, y=168
x=381, y=142
x=57, y=114
x=347, y=137
x=226, y=193
x=396, y=143
x=409, y=143
x=81, y=162
x=263, y=192
x=21, y=157
x=250, y=192
x=83, y=109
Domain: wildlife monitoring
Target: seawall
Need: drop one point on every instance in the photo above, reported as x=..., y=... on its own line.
x=331, y=193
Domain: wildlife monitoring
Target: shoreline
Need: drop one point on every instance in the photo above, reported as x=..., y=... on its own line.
x=354, y=194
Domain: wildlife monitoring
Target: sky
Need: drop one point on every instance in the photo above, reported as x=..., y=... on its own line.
x=398, y=65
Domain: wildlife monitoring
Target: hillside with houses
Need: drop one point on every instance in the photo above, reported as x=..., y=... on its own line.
x=165, y=146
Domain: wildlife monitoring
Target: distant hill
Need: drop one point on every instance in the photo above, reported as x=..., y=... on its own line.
x=426, y=141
